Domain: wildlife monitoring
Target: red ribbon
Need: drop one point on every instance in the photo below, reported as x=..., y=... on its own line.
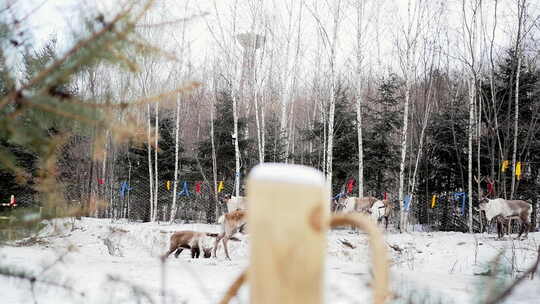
x=198, y=187
x=350, y=185
x=385, y=196
x=491, y=188
x=101, y=181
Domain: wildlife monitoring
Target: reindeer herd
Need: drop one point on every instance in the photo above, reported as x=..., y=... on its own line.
x=500, y=210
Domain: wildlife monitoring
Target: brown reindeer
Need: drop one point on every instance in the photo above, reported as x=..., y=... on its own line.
x=358, y=204
x=193, y=240
x=503, y=209
x=232, y=223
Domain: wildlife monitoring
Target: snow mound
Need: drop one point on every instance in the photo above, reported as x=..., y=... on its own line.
x=106, y=257
x=124, y=239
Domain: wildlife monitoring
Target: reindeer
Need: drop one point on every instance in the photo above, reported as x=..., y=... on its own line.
x=503, y=209
x=193, y=240
x=350, y=204
x=231, y=223
x=380, y=211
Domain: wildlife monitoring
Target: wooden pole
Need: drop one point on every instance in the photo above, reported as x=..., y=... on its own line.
x=288, y=217
x=381, y=285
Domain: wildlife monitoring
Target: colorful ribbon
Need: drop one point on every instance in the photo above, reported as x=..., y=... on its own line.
x=124, y=188
x=407, y=202
x=350, y=185
x=185, y=190
x=505, y=165
x=463, y=197
x=220, y=187
x=490, y=188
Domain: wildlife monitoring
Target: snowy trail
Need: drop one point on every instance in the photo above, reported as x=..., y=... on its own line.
x=439, y=267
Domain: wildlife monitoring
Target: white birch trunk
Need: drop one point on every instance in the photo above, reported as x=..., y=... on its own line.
x=516, y=125
x=329, y=153
x=331, y=112
x=236, y=148
x=404, y=138
x=214, y=158
x=290, y=141
x=293, y=133
x=359, y=17
x=471, y=35
x=258, y=126
x=325, y=136
x=472, y=93
x=521, y=15
x=283, y=136
x=176, y=159
x=150, y=168
x=421, y=146
x=407, y=73
x=156, y=183
x=263, y=133
x=284, y=96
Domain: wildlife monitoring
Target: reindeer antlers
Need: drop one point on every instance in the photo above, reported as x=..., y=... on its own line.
x=478, y=180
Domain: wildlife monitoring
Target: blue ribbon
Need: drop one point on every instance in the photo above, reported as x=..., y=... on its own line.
x=185, y=190
x=407, y=202
x=463, y=197
x=339, y=195
x=123, y=188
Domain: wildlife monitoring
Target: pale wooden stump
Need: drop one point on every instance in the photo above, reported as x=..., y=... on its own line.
x=288, y=218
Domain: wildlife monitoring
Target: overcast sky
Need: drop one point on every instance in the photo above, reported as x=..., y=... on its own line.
x=58, y=18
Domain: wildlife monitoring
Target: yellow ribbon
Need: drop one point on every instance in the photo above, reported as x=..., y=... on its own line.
x=518, y=170
x=505, y=166
x=433, y=201
x=220, y=187
x=168, y=184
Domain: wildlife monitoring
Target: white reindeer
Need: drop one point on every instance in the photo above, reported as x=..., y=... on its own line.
x=355, y=204
x=380, y=211
x=503, y=209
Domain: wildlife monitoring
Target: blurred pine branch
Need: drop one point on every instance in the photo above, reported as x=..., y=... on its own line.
x=43, y=109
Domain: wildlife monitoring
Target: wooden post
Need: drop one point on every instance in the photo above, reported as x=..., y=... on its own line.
x=288, y=217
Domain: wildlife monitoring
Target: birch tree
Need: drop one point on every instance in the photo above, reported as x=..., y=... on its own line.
x=331, y=42
x=333, y=45
x=470, y=30
x=521, y=13
x=491, y=58
x=360, y=28
x=410, y=34
x=177, y=125
x=226, y=43
x=212, y=141
x=429, y=62
x=288, y=67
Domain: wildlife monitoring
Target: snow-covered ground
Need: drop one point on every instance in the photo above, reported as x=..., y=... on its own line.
x=437, y=267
